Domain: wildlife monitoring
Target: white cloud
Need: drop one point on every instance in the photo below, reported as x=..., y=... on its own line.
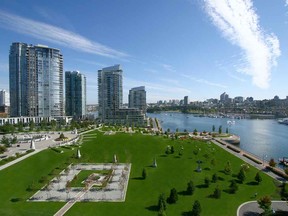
x=168, y=67
x=239, y=24
x=203, y=81
x=286, y=3
x=56, y=35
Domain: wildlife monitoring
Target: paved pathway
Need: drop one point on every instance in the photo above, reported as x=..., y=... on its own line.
x=251, y=208
x=69, y=204
x=39, y=146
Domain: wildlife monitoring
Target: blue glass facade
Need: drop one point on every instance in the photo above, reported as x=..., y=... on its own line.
x=36, y=79
x=75, y=92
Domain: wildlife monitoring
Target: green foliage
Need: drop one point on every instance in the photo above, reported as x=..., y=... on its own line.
x=214, y=178
x=5, y=140
x=2, y=149
x=196, y=209
x=144, y=173
x=162, y=202
x=272, y=162
x=172, y=150
x=220, y=129
x=286, y=171
x=217, y=193
x=284, y=191
x=258, y=178
x=241, y=175
x=31, y=125
x=233, y=187
x=173, y=196
x=195, y=132
x=265, y=204
x=228, y=169
x=190, y=188
x=207, y=182
x=213, y=128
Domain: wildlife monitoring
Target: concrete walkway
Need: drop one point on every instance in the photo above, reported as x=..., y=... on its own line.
x=69, y=204
x=39, y=146
x=251, y=208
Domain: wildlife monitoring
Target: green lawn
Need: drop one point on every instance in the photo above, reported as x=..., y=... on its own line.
x=173, y=171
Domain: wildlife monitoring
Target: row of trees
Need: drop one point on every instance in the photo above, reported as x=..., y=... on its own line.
x=173, y=198
x=44, y=125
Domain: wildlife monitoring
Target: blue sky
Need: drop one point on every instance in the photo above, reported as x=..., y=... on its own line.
x=199, y=48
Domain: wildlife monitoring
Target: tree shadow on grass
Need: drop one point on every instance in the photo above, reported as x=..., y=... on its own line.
x=163, y=155
x=188, y=213
x=252, y=183
x=220, y=178
x=152, y=208
x=177, y=156
x=137, y=178
x=201, y=186
x=207, y=168
x=183, y=193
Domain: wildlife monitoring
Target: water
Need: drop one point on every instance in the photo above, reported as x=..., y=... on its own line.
x=265, y=138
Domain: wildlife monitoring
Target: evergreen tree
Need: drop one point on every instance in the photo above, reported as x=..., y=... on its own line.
x=233, y=187
x=196, y=209
x=220, y=129
x=190, y=188
x=213, y=128
x=214, y=178
x=162, y=202
x=217, y=193
x=258, y=178
x=144, y=173
x=207, y=181
x=172, y=150
x=241, y=175
x=173, y=196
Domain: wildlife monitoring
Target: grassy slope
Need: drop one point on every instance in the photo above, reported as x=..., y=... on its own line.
x=142, y=195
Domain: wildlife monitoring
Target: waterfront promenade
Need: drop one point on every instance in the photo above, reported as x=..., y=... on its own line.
x=251, y=159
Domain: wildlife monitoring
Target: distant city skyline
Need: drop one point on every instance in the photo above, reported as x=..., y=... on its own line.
x=198, y=49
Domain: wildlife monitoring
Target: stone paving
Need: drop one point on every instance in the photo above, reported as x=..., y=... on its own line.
x=115, y=190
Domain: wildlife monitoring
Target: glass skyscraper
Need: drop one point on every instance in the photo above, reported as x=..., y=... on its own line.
x=36, y=80
x=75, y=92
x=137, y=98
x=110, y=99
x=110, y=91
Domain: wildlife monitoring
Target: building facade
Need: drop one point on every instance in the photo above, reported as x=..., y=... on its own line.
x=36, y=80
x=75, y=94
x=110, y=91
x=4, y=98
x=186, y=101
x=137, y=98
x=110, y=99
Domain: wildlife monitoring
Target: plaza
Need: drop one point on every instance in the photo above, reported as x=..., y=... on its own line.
x=113, y=191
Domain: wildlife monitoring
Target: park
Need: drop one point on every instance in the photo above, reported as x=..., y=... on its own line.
x=179, y=162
